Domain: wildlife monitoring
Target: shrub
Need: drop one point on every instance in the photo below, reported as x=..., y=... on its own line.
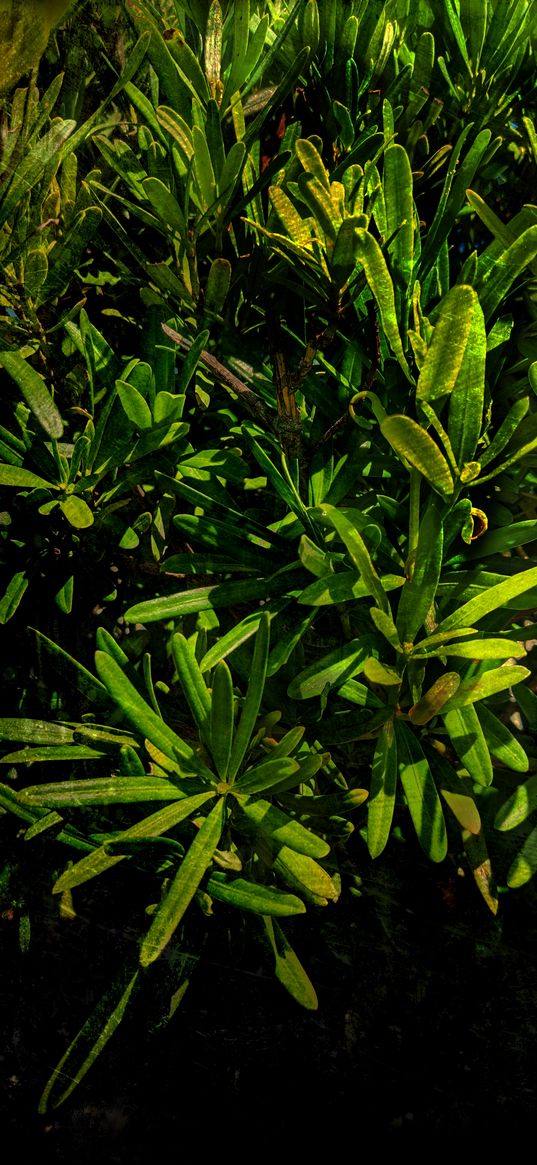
x=300, y=437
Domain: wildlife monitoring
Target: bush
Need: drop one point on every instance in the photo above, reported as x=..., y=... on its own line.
x=268, y=433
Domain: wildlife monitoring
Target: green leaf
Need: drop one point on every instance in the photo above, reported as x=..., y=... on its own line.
x=34, y=391
x=474, y=649
x=381, y=803
x=468, y=391
x=35, y=731
x=381, y=286
x=480, y=864
x=136, y=408
x=65, y=594
x=518, y=807
x=217, y=286
x=72, y=673
x=252, y=701
x=490, y=600
x=184, y=886
x=343, y=587
x=501, y=742
x=488, y=684
x=100, y=860
x=288, y=968
x=244, y=895
x=295, y=226
x=45, y=752
x=222, y=718
x=101, y=791
x=141, y=716
x=90, y=1041
x=203, y=169
x=269, y=775
x=507, y=267
x=240, y=633
x=193, y=684
x=76, y=511
x=421, y=795
x=204, y=599
x=419, y=591
x=13, y=596
x=505, y=538
x=458, y=178
x=446, y=351
x=178, y=129
x=434, y=699
x=397, y=182
x=525, y=863
x=358, y=553
x=414, y=445
x=464, y=810
x=280, y=828
x=385, y=624
x=468, y=740
x=339, y=665
x=304, y=874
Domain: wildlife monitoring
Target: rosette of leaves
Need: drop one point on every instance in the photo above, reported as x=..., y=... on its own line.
x=83, y=482
x=247, y=810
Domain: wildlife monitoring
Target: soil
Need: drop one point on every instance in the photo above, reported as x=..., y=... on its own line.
x=425, y=1034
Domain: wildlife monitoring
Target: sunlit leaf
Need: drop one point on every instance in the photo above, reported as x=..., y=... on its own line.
x=184, y=886
x=421, y=795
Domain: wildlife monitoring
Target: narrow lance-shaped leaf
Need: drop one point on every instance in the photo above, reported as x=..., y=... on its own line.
x=518, y=807
x=71, y=671
x=381, y=801
x=288, y=968
x=420, y=791
x=90, y=1041
x=139, y=713
x=35, y=392
x=193, y=684
x=445, y=353
x=524, y=865
x=339, y=665
x=414, y=445
x=380, y=283
x=490, y=600
x=501, y=742
x=358, y=552
x=507, y=267
x=474, y=649
x=260, y=899
x=467, y=738
x=283, y=830
x=101, y=791
x=253, y=697
x=184, y=886
x=271, y=774
x=467, y=396
x=418, y=593
x=100, y=859
x=488, y=684
x=221, y=724
x=397, y=182
x=432, y=702
x=303, y=874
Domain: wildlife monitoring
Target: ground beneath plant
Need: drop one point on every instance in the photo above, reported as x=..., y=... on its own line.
x=426, y=1032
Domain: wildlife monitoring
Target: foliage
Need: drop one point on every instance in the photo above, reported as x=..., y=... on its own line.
x=302, y=436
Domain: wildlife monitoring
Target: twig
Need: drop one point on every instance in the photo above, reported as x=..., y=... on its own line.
x=250, y=398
